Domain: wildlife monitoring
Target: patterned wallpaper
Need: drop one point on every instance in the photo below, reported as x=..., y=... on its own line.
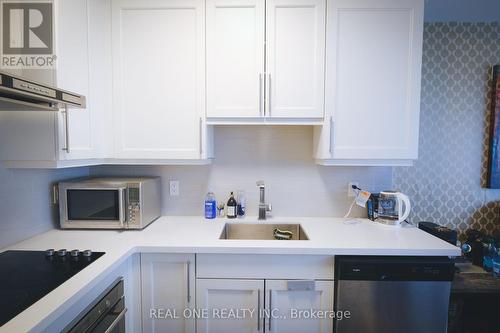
x=447, y=183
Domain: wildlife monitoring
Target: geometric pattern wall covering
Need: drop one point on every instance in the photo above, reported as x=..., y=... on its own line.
x=446, y=184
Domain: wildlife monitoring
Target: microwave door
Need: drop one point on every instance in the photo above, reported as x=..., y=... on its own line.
x=94, y=208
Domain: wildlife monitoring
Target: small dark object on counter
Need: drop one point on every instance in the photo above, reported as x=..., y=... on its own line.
x=231, y=207
x=475, y=239
x=372, y=206
x=444, y=233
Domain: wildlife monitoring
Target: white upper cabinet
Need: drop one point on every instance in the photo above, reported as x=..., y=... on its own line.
x=374, y=57
x=78, y=64
x=235, y=58
x=49, y=139
x=265, y=61
x=72, y=50
x=159, y=79
x=295, y=61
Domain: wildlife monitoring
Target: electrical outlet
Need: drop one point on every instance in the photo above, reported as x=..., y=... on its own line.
x=350, y=191
x=174, y=188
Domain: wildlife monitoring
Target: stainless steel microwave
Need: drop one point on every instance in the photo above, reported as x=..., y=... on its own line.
x=109, y=203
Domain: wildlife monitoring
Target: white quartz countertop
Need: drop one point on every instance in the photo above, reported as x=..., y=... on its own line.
x=327, y=236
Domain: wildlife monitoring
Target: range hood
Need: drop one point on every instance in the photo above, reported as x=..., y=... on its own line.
x=19, y=94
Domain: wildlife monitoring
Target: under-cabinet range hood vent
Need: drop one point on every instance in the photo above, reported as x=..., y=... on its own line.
x=19, y=94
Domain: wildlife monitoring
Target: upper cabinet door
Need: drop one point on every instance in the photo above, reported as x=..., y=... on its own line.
x=158, y=78
x=373, y=78
x=235, y=58
x=73, y=73
x=295, y=47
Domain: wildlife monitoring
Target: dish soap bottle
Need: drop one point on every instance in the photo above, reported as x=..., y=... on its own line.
x=231, y=207
x=241, y=207
x=210, y=206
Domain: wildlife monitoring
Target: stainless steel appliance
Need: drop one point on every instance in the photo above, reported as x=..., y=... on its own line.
x=27, y=276
x=109, y=203
x=393, y=294
x=20, y=94
x=107, y=313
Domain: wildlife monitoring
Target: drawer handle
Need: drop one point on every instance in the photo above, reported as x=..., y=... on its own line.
x=301, y=285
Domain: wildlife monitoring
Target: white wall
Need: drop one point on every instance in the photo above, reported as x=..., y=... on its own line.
x=281, y=156
x=25, y=202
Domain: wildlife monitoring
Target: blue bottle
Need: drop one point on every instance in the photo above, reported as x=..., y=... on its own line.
x=489, y=253
x=496, y=263
x=210, y=206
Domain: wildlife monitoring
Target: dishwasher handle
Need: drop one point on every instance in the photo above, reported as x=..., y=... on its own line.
x=394, y=268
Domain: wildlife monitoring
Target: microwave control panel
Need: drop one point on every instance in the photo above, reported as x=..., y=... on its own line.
x=133, y=204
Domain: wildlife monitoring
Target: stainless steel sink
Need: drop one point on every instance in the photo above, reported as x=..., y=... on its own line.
x=262, y=231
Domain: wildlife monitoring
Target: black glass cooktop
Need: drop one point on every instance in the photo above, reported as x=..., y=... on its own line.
x=27, y=276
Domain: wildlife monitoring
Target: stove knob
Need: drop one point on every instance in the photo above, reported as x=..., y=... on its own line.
x=87, y=253
x=61, y=252
x=49, y=252
x=74, y=253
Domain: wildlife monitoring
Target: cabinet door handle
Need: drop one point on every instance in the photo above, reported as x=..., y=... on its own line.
x=331, y=134
x=200, y=125
x=258, y=310
x=269, y=92
x=270, y=308
x=66, y=129
x=188, y=271
x=260, y=94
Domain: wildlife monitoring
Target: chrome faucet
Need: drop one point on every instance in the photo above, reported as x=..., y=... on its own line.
x=263, y=207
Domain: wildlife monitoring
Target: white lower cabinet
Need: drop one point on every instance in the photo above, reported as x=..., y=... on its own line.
x=168, y=282
x=273, y=293
x=294, y=308
x=218, y=295
x=288, y=306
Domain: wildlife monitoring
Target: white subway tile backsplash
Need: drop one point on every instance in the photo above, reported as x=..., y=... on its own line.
x=25, y=201
x=279, y=155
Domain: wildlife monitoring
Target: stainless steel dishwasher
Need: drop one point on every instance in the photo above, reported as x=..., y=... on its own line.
x=393, y=294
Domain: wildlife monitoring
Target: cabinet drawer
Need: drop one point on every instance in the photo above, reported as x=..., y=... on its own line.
x=261, y=266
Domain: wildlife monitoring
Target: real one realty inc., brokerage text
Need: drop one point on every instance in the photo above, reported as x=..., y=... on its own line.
x=229, y=313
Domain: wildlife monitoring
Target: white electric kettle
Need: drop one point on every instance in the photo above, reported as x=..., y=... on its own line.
x=390, y=208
